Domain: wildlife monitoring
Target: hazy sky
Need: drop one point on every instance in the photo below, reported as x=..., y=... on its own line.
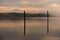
x=29, y=5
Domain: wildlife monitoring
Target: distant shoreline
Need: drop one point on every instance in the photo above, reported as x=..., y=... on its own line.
x=14, y=16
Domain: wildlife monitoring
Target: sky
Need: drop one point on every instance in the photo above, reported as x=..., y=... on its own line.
x=53, y=6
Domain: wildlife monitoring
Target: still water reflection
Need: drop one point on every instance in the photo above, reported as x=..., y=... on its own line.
x=36, y=29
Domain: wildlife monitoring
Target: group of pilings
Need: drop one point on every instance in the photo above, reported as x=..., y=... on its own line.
x=25, y=23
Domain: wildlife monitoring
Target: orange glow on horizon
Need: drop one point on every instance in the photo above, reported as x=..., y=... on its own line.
x=9, y=9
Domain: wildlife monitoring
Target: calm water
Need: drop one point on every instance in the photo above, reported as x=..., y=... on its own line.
x=36, y=29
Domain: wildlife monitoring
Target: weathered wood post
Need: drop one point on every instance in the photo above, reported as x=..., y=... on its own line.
x=47, y=22
x=24, y=23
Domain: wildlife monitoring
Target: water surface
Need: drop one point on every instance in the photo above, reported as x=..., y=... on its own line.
x=36, y=29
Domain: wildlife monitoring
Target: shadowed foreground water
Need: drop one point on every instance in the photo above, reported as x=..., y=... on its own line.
x=36, y=29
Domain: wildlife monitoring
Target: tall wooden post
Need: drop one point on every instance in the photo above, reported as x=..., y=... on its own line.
x=24, y=23
x=47, y=22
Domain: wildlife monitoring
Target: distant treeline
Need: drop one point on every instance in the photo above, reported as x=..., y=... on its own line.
x=22, y=15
